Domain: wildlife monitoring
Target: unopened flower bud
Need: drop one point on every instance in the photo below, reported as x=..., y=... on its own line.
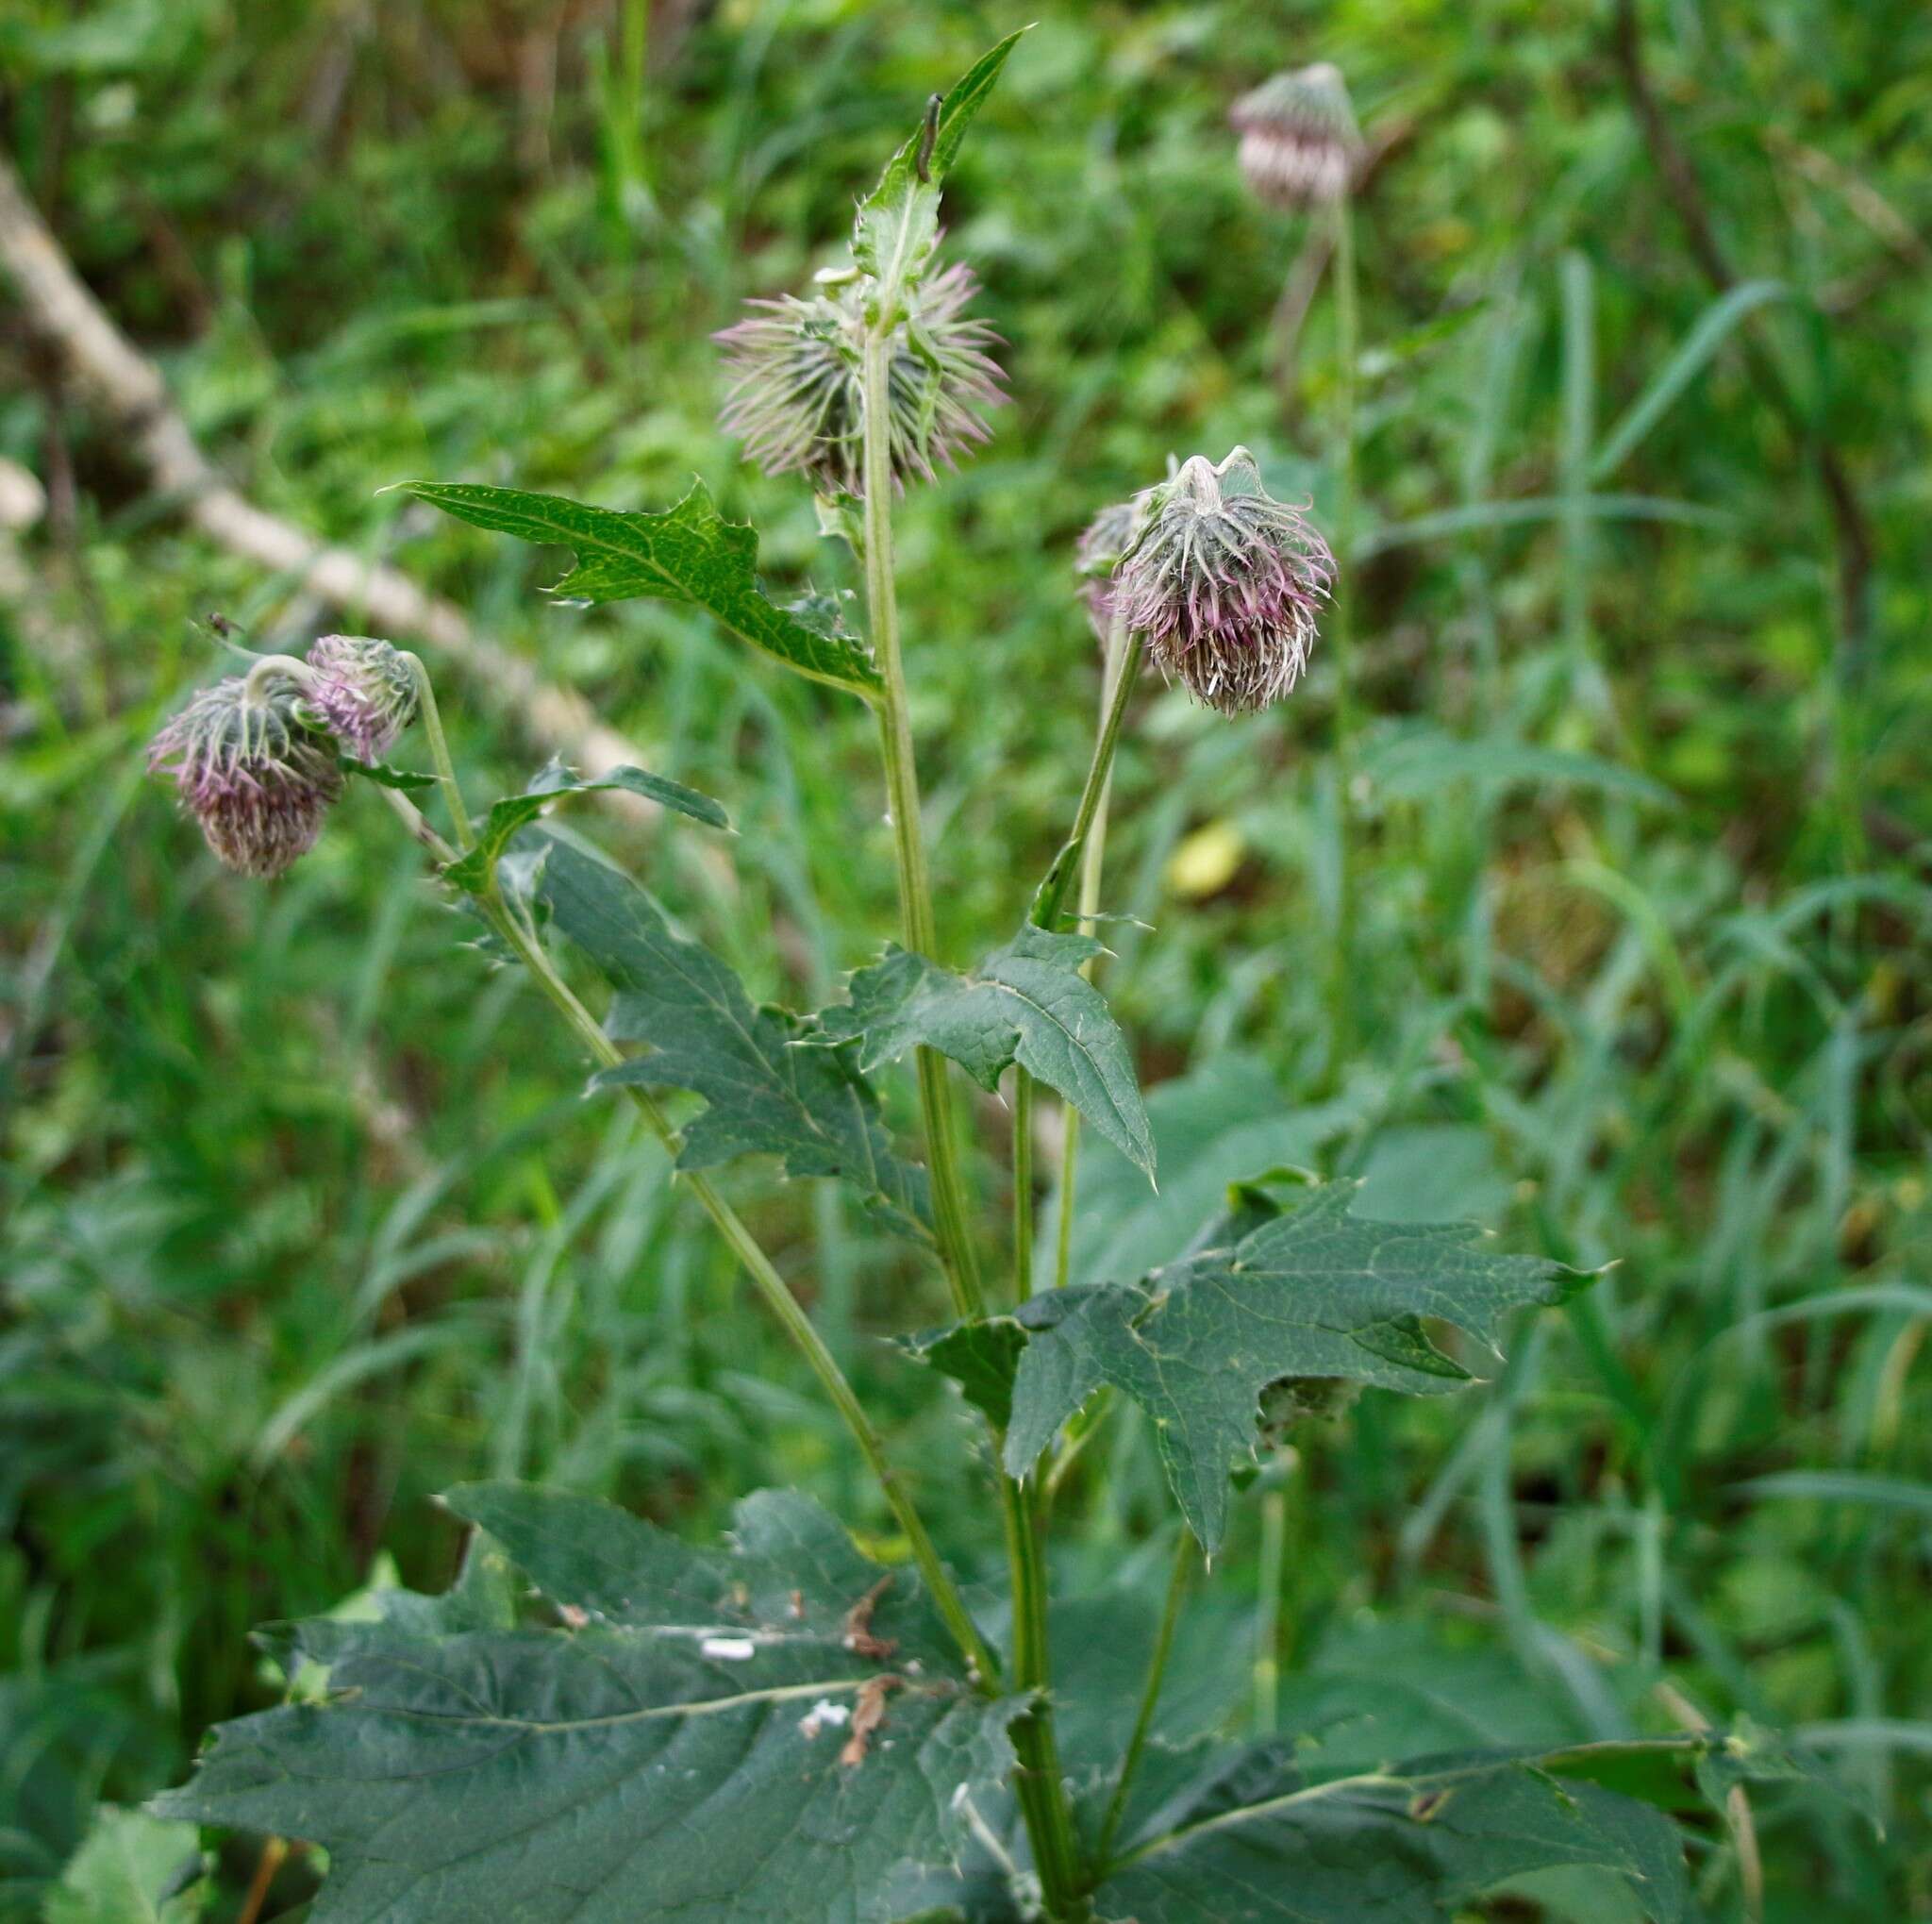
x=251, y=771
x=364, y=691
x=1097, y=553
x=1226, y=582
x=797, y=400
x=1299, y=139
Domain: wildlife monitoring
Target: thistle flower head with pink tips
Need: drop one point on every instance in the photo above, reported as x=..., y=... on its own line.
x=251, y=770
x=1299, y=144
x=797, y=400
x=365, y=692
x=1226, y=582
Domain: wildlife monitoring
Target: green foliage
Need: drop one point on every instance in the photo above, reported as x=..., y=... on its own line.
x=768, y=1092
x=1028, y=1003
x=774, y=1732
x=473, y=871
x=689, y=553
x=132, y=1869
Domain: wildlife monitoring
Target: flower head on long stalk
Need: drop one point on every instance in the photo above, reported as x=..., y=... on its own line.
x=797, y=395
x=1299, y=144
x=1098, y=551
x=1226, y=584
x=249, y=768
x=364, y=691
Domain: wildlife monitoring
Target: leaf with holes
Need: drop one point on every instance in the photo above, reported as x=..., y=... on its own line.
x=768, y=1094
x=680, y=1732
x=473, y=871
x=1028, y=1003
x=689, y=553
x=1316, y=1293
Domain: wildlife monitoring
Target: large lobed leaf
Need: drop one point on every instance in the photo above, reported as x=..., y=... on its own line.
x=767, y=1092
x=1313, y=1294
x=1027, y=1002
x=688, y=553
x=898, y=221
x=691, y=1743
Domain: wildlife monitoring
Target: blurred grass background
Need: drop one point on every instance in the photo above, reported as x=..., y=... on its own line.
x=305, y=1216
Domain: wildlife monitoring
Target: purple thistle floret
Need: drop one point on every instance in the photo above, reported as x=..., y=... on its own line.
x=1227, y=583
x=796, y=400
x=1300, y=143
x=364, y=691
x=251, y=771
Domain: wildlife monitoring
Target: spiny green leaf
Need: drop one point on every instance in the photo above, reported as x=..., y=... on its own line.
x=980, y=1357
x=768, y=1094
x=691, y=1742
x=898, y=222
x=688, y=553
x=1250, y=1839
x=1317, y=1293
x=131, y=1868
x=473, y=871
x=406, y=781
x=1028, y=1003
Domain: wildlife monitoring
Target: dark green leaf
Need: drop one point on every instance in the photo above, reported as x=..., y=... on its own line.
x=1028, y=1003
x=980, y=1357
x=688, y=553
x=898, y=222
x=473, y=871
x=1317, y=1293
x=1251, y=1840
x=687, y=1744
x=768, y=1093
x=408, y=780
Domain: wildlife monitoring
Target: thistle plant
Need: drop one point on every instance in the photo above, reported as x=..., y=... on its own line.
x=603, y=1722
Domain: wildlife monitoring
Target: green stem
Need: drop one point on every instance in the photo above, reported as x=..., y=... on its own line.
x=1150, y=1694
x=902, y=800
x=741, y=1243
x=438, y=754
x=1268, y=1627
x=1342, y=642
x=1024, y=1086
x=1092, y=853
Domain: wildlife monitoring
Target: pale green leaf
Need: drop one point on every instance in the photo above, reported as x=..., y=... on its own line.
x=474, y=870
x=768, y=1094
x=1317, y=1293
x=689, y=553
x=131, y=1868
x=683, y=1743
x=898, y=222
x=1027, y=1002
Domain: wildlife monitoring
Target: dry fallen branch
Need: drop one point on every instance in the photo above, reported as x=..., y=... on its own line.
x=114, y=376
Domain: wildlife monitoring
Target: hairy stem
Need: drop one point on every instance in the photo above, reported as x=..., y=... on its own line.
x=902, y=798
x=1023, y=1184
x=1342, y=642
x=1040, y=1786
x=513, y=929
x=1150, y=1694
x=438, y=754
x=1092, y=854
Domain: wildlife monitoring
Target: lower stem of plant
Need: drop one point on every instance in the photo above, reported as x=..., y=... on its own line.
x=1341, y=643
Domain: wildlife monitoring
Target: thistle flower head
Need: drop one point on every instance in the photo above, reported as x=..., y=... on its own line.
x=796, y=397
x=1299, y=139
x=251, y=771
x=364, y=691
x=1226, y=583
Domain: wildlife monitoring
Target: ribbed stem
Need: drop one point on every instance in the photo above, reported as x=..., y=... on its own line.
x=1150, y=1695
x=1340, y=643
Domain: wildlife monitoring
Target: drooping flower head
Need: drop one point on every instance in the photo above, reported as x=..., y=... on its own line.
x=249, y=768
x=365, y=692
x=1226, y=582
x=795, y=398
x=1299, y=139
x=1098, y=552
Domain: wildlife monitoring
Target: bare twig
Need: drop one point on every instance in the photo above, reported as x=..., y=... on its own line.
x=106, y=368
x=1852, y=533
